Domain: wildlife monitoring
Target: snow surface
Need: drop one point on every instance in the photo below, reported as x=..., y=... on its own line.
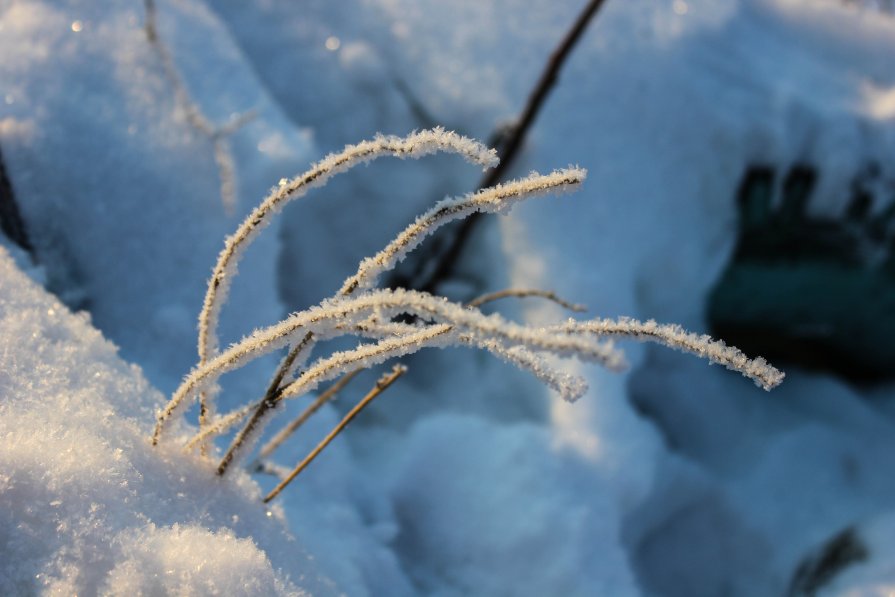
x=465, y=478
x=85, y=506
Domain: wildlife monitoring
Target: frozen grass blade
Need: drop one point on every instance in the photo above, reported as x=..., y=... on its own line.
x=331, y=317
x=497, y=199
x=569, y=387
x=674, y=336
x=415, y=145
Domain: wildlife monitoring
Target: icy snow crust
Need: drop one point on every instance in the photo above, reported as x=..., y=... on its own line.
x=464, y=479
x=85, y=506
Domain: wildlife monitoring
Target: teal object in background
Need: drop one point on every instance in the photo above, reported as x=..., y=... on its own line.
x=816, y=292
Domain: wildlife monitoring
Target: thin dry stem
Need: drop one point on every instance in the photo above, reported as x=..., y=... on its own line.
x=328, y=368
x=381, y=385
x=306, y=414
x=195, y=117
x=524, y=293
x=513, y=139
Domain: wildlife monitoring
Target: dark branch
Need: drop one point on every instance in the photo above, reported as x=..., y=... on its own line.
x=11, y=221
x=508, y=141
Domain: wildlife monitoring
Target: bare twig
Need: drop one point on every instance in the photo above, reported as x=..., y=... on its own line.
x=381, y=385
x=292, y=427
x=520, y=293
x=11, y=222
x=331, y=367
x=536, y=100
x=512, y=138
x=223, y=155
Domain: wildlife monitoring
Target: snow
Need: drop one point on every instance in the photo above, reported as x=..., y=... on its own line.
x=124, y=203
x=175, y=560
x=85, y=506
x=534, y=507
x=466, y=477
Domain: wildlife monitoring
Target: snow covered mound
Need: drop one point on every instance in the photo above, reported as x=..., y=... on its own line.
x=119, y=188
x=543, y=525
x=86, y=506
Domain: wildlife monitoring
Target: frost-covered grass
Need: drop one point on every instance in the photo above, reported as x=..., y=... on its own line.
x=357, y=310
x=466, y=476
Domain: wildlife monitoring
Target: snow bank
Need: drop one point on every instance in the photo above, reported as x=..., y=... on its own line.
x=491, y=509
x=86, y=506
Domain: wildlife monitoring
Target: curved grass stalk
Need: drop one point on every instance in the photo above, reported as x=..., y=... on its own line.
x=415, y=145
x=368, y=355
x=525, y=293
x=495, y=199
x=674, y=336
x=569, y=387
